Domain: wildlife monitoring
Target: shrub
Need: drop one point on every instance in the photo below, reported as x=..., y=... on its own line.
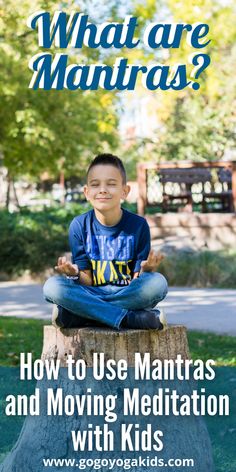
x=201, y=269
x=33, y=241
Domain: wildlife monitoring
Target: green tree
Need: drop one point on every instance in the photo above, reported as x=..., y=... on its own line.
x=193, y=125
x=40, y=129
x=201, y=125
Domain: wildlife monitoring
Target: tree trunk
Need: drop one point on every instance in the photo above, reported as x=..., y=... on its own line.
x=115, y=344
x=11, y=184
x=50, y=436
x=15, y=194
x=8, y=192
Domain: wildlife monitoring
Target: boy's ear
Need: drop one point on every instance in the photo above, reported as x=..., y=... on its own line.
x=126, y=190
x=86, y=192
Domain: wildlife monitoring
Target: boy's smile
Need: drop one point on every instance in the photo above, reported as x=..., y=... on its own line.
x=104, y=190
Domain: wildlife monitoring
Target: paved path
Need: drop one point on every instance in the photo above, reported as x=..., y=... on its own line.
x=211, y=310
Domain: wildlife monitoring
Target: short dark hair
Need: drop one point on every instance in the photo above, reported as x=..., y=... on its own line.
x=108, y=159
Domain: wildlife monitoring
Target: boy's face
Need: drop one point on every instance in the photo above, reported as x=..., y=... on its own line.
x=105, y=188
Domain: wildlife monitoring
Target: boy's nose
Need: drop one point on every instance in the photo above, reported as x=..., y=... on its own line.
x=102, y=190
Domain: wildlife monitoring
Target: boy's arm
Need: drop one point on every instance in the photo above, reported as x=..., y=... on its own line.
x=80, y=265
x=151, y=264
x=143, y=249
x=147, y=259
x=65, y=267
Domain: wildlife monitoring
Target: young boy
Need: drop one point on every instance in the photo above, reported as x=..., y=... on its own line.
x=112, y=279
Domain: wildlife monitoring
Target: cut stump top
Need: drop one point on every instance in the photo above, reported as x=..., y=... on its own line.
x=81, y=343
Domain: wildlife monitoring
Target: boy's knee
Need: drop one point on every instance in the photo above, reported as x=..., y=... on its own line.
x=51, y=288
x=161, y=283
x=155, y=285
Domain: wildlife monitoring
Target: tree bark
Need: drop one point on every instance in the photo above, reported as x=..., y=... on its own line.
x=8, y=192
x=15, y=194
x=11, y=184
x=115, y=344
x=50, y=436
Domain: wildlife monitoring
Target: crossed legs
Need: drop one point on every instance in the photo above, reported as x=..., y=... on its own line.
x=108, y=304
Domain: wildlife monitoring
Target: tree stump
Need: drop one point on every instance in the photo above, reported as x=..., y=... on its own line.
x=82, y=343
x=50, y=436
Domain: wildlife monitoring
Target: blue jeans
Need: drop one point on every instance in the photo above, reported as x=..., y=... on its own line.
x=106, y=304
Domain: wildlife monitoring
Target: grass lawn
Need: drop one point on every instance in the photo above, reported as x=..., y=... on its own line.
x=19, y=335
x=23, y=335
x=213, y=346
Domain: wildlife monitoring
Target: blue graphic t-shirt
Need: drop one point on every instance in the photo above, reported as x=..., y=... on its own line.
x=113, y=253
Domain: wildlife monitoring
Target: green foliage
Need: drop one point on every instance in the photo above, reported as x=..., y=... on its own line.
x=201, y=126
x=191, y=125
x=47, y=130
x=195, y=132
x=201, y=269
x=33, y=241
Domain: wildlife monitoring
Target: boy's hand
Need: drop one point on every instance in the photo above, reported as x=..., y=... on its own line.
x=153, y=261
x=66, y=267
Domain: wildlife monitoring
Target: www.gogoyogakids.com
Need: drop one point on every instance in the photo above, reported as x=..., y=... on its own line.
x=125, y=464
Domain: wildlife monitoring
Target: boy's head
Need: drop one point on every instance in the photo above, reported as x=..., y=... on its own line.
x=108, y=160
x=106, y=183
